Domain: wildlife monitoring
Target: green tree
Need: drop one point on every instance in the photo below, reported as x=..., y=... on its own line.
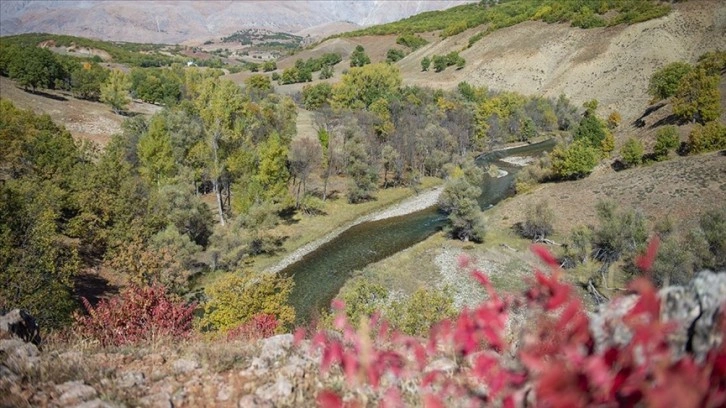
x=155, y=153
x=538, y=222
x=575, y=161
x=591, y=130
x=236, y=298
x=621, y=233
x=115, y=91
x=459, y=200
x=268, y=66
x=425, y=63
x=439, y=62
x=360, y=87
x=35, y=67
x=259, y=83
x=361, y=172
x=665, y=81
x=423, y=309
x=316, y=96
x=632, y=152
x=358, y=57
x=87, y=79
x=394, y=55
x=707, y=138
x=666, y=139
x=326, y=72
x=698, y=98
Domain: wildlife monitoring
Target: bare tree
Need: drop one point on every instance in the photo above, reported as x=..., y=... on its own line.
x=305, y=155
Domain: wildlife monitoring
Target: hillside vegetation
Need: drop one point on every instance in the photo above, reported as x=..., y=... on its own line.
x=506, y=13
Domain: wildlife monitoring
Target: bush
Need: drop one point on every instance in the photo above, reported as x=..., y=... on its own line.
x=664, y=82
x=425, y=63
x=620, y=233
x=538, y=222
x=707, y=138
x=136, y=314
x=555, y=362
x=411, y=41
x=394, y=55
x=575, y=161
x=235, y=300
x=261, y=326
x=666, y=139
x=632, y=152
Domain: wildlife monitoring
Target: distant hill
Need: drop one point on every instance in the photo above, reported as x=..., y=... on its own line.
x=181, y=21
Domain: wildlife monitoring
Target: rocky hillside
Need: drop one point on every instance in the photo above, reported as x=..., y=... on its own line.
x=180, y=21
x=612, y=65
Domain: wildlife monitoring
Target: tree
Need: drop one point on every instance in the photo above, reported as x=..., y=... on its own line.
x=575, y=161
x=315, y=96
x=665, y=81
x=360, y=87
x=326, y=72
x=666, y=139
x=358, y=57
x=305, y=154
x=538, y=222
x=115, y=91
x=86, y=81
x=259, y=83
x=620, y=232
x=425, y=63
x=697, y=98
x=439, y=62
x=707, y=138
x=235, y=299
x=632, y=152
x=361, y=172
x=155, y=153
x=459, y=200
x=35, y=67
x=394, y=55
x=591, y=130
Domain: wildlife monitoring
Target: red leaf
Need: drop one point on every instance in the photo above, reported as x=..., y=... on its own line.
x=432, y=401
x=329, y=399
x=645, y=261
x=545, y=255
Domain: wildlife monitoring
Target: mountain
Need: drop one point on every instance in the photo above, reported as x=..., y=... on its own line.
x=181, y=21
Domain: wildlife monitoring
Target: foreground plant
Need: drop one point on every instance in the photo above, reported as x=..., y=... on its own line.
x=554, y=363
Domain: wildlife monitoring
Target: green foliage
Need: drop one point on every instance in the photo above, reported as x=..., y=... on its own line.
x=666, y=139
x=664, y=82
x=713, y=225
x=235, y=299
x=583, y=14
x=459, y=200
x=538, y=221
x=591, y=131
x=697, y=98
x=154, y=85
x=713, y=62
x=411, y=41
x=394, y=55
x=259, y=83
x=575, y=161
x=632, y=152
x=361, y=86
x=422, y=310
x=326, y=72
x=358, y=57
x=155, y=153
x=35, y=68
x=115, y=91
x=707, y=138
x=363, y=175
x=316, y=96
x=268, y=66
x=441, y=62
x=363, y=298
x=621, y=233
x=302, y=71
x=475, y=38
x=425, y=63
x=87, y=79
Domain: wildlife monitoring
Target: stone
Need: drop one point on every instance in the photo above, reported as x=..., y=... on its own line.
x=19, y=357
x=160, y=400
x=21, y=324
x=275, y=392
x=131, y=379
x=250, y=401
x=74, y=392
x=95, y=403
x=442, y=364
x=183, y=366
x=275, y=347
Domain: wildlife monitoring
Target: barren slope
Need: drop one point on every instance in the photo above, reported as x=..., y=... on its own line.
x=681, y=188
x=612, y=65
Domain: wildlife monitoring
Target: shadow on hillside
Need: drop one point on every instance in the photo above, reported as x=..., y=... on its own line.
x=46, y=95
x=93, y=287
x=640, y=122
x=668, y=120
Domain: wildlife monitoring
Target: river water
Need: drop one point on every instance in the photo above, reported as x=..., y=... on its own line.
x=320, y=274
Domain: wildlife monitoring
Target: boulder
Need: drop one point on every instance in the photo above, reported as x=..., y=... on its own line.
x=21, y=324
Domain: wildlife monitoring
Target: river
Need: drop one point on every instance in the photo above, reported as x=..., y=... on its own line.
x=320, y=274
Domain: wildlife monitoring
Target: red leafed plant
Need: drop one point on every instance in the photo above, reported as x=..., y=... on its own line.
x=136, y=314
x=261, y=326
x=555, y=362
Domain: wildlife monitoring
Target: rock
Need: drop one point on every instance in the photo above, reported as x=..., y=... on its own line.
x=250, y=401
x=130, y=379
x=18, y=356
x=442, y=364
x=183, y=366
x=96, y=403
x=276, y=392
x=74, y=393
x=160, y=400
x=21, y=324
x=273, y=348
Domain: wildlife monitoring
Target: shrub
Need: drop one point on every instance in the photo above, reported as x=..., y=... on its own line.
x=666, y=139
x=425, y=63
x=664, y=82
x=554, y=363
x=707, y=138
x=411, y=41
x=394, y=55
x=261, y=326
x=614, y=120
x=573, y=162
x=538, y=222
x=234, y=300
x=632, y=152
x=136, y=314
x=619, y=234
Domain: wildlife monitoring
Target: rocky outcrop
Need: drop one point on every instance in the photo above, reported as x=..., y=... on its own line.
x=21, y=324
x=694, y=310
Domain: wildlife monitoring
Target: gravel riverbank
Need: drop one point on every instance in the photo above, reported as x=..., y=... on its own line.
x=410, y=205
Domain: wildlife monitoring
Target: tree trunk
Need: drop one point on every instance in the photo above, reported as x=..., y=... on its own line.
x=218, y=194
